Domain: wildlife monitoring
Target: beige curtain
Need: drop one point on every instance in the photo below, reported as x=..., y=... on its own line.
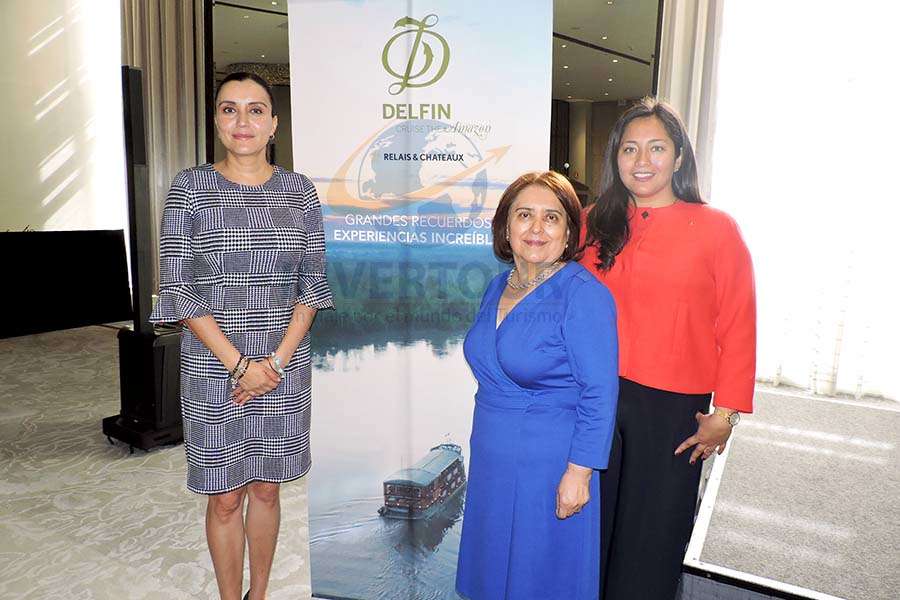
x=164, y=38
x=688, y=63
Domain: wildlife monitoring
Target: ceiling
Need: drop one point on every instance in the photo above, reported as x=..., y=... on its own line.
x=624, y=26
x=579, y=72
x=241, y=35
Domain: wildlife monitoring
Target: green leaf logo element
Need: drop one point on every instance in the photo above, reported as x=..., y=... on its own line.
x=421, y=32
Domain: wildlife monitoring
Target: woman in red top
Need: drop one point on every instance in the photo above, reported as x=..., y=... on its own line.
x=682, y=280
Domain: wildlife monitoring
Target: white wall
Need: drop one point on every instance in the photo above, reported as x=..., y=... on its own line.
x=805, y=138
x=61, y=143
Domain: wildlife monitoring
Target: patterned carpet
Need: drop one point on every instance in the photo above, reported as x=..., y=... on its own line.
x=81, y=519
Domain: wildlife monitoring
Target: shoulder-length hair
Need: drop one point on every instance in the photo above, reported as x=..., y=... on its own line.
x=563, y=191
x=607, y=222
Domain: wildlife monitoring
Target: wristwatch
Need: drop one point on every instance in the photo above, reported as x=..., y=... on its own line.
x=733, y=417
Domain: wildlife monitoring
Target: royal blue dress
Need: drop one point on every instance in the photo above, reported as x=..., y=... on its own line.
x=547, y=390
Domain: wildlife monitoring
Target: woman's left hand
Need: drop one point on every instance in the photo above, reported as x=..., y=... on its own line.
x=712, y=435
x=260, y=378
x=573, y=491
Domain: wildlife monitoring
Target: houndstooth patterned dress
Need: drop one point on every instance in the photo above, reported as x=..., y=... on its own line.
x=245, y=255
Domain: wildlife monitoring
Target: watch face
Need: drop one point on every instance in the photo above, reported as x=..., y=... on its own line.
x=734, y=418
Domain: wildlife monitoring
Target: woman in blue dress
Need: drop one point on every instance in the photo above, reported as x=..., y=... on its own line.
x=544, y=351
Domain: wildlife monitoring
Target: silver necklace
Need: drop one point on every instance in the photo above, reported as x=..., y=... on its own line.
x=528, y=284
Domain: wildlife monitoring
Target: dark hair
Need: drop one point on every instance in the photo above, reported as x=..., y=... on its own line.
x=607, y=221
x=244, y=76
x=563, y=191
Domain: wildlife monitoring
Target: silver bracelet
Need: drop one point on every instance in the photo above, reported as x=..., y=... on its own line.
x=276, y=363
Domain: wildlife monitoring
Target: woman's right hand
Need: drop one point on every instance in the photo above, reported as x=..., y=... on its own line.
x=259, y=379
x=573, y=491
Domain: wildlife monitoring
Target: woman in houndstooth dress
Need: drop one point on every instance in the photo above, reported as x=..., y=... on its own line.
x=242, y=265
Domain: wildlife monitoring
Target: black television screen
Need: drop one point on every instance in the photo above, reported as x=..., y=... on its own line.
x=63, y=279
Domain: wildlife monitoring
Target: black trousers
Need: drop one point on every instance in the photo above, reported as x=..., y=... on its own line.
x=648, y=495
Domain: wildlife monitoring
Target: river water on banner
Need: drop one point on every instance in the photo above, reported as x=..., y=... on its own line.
x=378, y=409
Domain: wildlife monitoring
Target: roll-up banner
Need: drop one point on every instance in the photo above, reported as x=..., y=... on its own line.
x=411, y=117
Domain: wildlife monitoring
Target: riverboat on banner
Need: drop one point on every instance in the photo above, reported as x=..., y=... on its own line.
x=421, y=490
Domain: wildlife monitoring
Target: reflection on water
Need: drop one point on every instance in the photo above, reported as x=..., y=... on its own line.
x=358, y=554
x=426, y=535
x=388, y=294
x=376, y=411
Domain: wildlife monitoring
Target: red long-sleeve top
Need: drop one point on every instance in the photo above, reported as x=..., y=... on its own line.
x=684, y=292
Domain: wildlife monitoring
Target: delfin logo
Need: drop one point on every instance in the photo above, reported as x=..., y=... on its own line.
x=421, y=32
